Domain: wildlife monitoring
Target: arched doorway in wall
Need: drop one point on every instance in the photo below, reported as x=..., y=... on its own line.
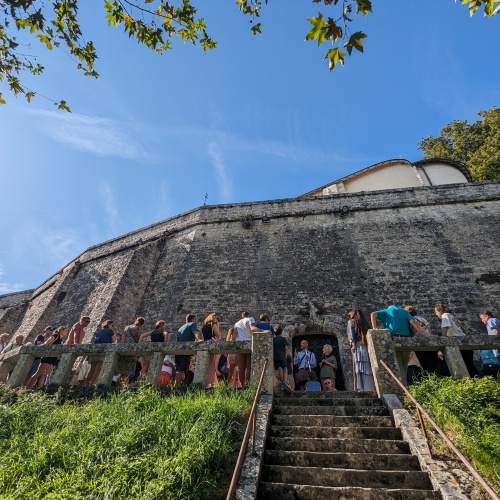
x=316, y=343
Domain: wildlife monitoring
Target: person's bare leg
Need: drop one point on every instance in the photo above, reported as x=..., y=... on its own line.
x=179, y=378
x=230, y=375
x=97, y=372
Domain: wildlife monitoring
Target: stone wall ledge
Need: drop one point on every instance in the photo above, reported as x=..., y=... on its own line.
x=187, y=348
x=468, y=342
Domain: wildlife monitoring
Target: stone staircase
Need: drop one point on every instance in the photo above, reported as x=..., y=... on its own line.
x=340, y=445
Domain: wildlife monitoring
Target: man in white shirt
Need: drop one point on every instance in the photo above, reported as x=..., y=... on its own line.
x=245, y=327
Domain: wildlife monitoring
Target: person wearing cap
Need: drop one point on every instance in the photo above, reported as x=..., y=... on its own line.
x=77, y=332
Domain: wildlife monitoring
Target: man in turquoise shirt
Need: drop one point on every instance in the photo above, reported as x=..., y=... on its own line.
x=397, y=320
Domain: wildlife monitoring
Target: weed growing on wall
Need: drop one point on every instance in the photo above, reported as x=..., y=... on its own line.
x=122, y=444
x=470, y=410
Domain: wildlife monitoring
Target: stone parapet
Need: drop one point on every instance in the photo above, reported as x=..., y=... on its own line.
x=18, y=361
x=394, y=352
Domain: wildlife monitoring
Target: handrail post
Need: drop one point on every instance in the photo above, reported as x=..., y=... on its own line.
x=380, y=345
x=262, y=349
x=424, y=431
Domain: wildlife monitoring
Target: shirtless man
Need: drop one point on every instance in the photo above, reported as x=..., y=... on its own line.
x=77, y=332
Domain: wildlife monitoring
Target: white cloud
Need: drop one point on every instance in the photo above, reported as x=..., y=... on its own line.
x=100, y=136
x=196, y=138
x=223, y=180
x=9, y=287
x=108, y=200
x=47, y=247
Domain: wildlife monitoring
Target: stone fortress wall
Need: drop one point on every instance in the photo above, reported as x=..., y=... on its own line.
x=306, y=261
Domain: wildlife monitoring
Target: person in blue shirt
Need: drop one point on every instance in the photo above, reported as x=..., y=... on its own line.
x=489, y=362
x=265, y=323
x=187, y=333
x=312, y=384
x=492, y=326
x=305, y=360
x=103, y=336
x=397, y=320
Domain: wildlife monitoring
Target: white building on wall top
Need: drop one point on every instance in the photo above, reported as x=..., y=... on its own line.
x=394, y=174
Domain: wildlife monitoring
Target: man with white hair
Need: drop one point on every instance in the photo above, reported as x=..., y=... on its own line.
x=18, y=342
x=328, y=366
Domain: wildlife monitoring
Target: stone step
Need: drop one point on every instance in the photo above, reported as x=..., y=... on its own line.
x=365, y=461
x=333, y=445
x=357, y=411
x=291, y=401
x=316, y=476
x=335, y=432
x=281, y=491
x=331, y=421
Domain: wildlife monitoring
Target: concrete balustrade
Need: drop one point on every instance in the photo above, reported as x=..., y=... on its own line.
x=394, y=350
x=19, y=361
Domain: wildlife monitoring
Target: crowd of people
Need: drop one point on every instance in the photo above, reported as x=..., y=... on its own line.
x=302, y=371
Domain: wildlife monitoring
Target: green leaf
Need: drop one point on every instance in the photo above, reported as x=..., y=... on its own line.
x=355, y=42
x=45, y=39
x=62, y=105
x=473, y=5
x=256, y=29
x=363, y=6
x=335, y=56
x=318, y=30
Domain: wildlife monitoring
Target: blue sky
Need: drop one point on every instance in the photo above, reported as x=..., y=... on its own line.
x=258, y=118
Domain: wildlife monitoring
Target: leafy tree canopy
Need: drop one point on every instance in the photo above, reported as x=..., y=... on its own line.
x=155, y=23
x=475, y=144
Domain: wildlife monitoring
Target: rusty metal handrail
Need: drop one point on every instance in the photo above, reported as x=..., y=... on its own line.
x=252, y=419
x=469, y=466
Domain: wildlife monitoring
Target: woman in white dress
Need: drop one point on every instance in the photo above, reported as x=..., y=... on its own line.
x=357, y=328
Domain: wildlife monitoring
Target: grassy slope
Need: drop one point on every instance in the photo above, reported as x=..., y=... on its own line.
x=469, y=410
x=127, y=444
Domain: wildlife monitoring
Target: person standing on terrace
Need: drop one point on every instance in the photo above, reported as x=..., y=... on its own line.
x=103, y=336
x=47, y=364
x=265, y=323
x=357, y=328
x=492, y=326
x=77, y=332
x=397, y=320
x=451, y=327
x=187, y=333
x=246, y=327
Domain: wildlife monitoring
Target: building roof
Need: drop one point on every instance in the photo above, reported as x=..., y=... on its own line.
x=458, y=165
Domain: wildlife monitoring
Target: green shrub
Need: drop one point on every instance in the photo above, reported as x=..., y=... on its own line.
x=470, y=410
x=122, y=444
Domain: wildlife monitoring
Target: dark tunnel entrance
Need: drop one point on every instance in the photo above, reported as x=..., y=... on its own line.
x=316, y=343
